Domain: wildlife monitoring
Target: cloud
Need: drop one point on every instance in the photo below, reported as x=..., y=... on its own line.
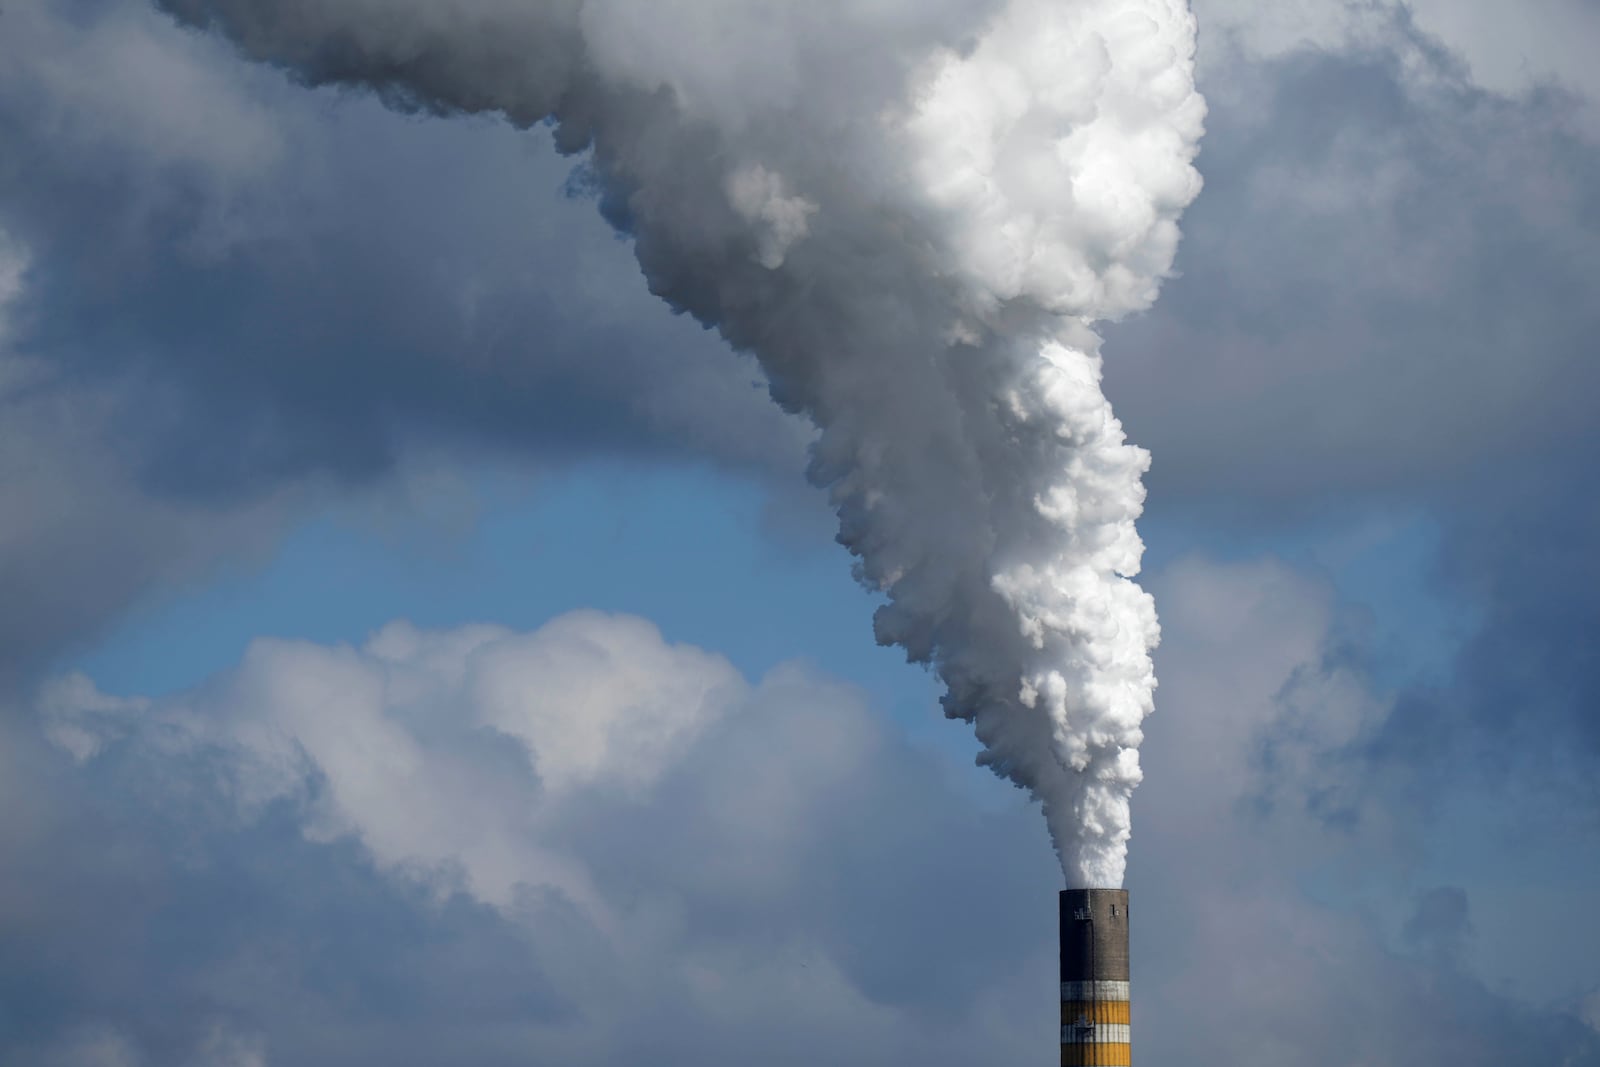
x=1381, y=282
x=104, y=1046
x=1508, y=53
x=306, y=282
x=584, y=837
x=1264, y=928
x=79, y=538
x=1519, y=708
x=1441, y=922
x=251, y=288
x=1386, y=306
x=225, y=301
x=586, y=843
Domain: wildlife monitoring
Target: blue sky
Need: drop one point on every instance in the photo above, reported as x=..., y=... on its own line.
x=688, y=548
x=418, y=644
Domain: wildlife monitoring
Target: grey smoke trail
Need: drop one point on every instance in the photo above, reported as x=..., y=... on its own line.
x=911, y=212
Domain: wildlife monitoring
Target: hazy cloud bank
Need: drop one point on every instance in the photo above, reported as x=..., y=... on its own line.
x=587, y=843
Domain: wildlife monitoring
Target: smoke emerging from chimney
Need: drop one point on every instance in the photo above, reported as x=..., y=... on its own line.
x=911, y=212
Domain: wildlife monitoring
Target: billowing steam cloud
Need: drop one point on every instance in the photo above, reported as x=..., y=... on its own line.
x=911, y=212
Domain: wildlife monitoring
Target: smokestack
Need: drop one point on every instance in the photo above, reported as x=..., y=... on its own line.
x=1094, y=978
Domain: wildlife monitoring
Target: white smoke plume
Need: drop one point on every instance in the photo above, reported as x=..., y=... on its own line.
x=911, y=212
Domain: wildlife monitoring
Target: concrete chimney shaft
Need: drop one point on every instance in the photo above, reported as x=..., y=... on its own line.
x=1094, y=978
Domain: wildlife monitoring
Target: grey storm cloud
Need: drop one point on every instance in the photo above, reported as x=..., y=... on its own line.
x=1522, y=705
x=1386, y=286
x=1230, y=842
x=227, y=301
x=301, y=282
x=1387, y=300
